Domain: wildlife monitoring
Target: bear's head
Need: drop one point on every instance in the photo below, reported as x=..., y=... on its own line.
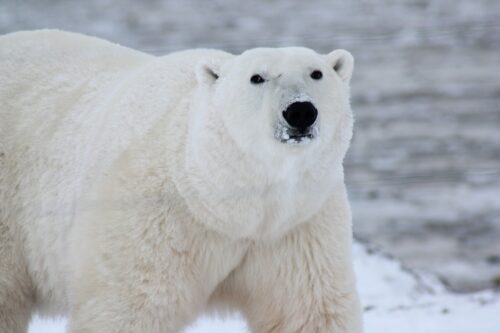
x=270, y=122
x=280, y=100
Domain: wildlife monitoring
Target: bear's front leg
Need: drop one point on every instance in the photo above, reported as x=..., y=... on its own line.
x=305, y=281
x=147, y=275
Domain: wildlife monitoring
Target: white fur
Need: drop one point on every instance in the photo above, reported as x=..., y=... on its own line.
x=138, y=191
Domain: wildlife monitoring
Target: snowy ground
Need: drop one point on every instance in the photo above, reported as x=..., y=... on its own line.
x=395, y=300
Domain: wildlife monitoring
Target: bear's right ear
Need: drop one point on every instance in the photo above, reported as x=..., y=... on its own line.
x=207, y=71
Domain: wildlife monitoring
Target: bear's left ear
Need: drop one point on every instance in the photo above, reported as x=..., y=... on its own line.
x=342, y=62
x=208, y=70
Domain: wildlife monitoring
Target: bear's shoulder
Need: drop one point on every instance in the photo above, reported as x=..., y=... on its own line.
x=192, y=57
x=54, y=50
x=56, y=41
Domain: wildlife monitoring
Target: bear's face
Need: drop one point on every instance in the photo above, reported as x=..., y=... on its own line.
x=267, y=133
x=274, y=100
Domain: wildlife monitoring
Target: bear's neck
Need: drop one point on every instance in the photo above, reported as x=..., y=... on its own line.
x=231, y=193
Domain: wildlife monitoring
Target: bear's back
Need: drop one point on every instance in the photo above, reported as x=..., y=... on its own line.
x=43, y=73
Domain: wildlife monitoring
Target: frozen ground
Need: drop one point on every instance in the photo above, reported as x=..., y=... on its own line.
x=395, y=300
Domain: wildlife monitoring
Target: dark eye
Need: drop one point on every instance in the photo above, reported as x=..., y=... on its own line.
x=316, y=75
x=257, y=79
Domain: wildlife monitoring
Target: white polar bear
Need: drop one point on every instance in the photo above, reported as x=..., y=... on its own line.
x=138, y=191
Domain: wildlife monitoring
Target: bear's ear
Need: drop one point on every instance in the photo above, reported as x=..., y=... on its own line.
x=342, y=62
x=207, y=71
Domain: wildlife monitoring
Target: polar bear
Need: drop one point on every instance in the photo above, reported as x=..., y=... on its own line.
x=137, y=192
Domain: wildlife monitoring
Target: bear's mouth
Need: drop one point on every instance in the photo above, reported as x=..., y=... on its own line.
x=288, y=135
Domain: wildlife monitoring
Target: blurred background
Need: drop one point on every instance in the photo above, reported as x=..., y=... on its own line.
x=423, y=171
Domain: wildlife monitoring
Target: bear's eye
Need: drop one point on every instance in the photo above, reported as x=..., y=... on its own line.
x=316, y=75
x=257, y=79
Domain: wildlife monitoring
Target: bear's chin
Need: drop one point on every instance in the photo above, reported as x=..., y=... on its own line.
x=298, y=139
x=292, y=136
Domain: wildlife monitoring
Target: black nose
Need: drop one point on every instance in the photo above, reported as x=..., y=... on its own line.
x=300, y=114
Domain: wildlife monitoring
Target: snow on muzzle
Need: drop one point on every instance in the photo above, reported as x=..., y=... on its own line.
x=298, y=123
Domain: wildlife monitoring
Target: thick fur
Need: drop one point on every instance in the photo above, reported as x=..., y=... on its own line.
x=138, y=191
